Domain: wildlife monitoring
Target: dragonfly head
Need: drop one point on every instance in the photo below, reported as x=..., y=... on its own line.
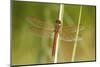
x=58, y=22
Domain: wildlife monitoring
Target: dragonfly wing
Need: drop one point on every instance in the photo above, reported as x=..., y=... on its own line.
x=72, y=28
x=42, y=33
x=39, y=23
x=70, y=39
x=39, y=28
x=69, y=33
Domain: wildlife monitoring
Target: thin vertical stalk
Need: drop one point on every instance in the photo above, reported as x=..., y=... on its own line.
x=77, y=33
x=60, y=18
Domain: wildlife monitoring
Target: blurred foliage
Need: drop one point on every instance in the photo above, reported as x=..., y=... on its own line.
x=29, y=48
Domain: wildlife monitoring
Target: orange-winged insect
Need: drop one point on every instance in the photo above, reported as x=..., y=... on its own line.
x=67, y=33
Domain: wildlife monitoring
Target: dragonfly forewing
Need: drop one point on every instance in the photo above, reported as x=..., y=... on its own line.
x=40, y=23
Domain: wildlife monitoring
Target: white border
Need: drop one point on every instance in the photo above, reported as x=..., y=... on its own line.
x=86, y=2
x=4, y=33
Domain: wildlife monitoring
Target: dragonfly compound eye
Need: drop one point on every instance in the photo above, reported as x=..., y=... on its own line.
x=58, y=21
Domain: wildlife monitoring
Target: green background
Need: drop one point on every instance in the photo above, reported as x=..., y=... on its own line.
x=35, y=47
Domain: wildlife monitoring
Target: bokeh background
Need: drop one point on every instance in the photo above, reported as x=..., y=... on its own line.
x=31, y=43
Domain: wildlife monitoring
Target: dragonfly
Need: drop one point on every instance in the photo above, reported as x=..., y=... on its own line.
x=67, y=31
